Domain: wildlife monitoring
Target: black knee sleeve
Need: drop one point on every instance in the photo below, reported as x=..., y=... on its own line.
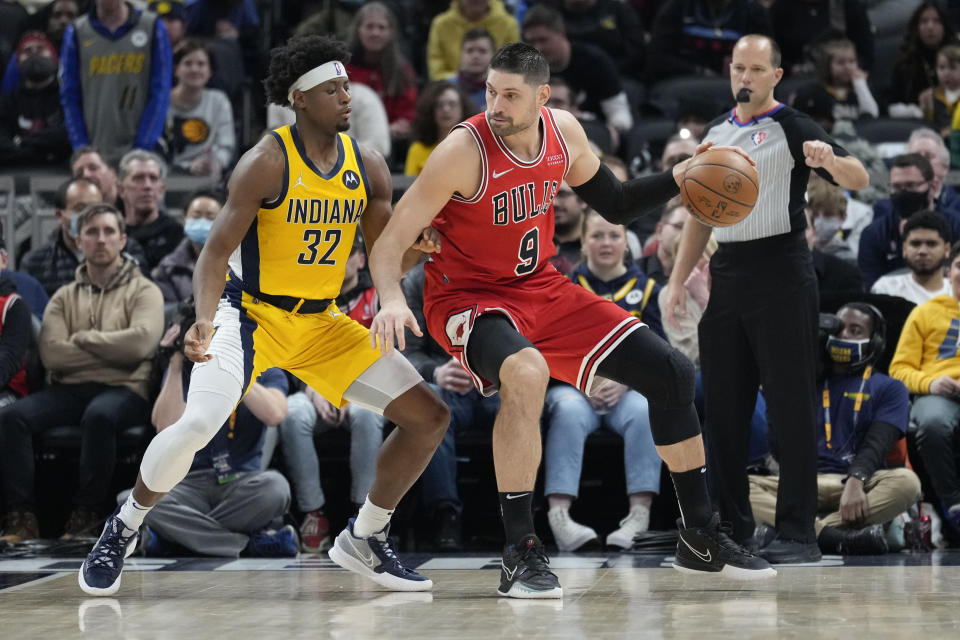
x=493, y=339
x=646, y=363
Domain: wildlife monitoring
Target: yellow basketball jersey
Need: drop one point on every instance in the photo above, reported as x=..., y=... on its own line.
x=299, y=242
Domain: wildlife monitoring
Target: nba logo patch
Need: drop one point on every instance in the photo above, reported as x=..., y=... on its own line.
x=458, y=328
x=338, y=70
x=758, y=137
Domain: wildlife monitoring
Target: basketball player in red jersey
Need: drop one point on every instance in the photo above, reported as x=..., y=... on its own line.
x=493, y=300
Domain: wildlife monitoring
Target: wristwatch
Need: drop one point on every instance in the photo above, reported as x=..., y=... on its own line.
x=859, y=475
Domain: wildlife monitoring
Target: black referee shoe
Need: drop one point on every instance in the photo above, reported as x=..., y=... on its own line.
x=710, y=549
x=525, y=571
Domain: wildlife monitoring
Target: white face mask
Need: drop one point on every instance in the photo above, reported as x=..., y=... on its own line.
x=826, y=230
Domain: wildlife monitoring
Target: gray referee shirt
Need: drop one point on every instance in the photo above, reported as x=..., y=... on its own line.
x=775, y=140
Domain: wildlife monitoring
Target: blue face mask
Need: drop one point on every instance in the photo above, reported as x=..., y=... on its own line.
x=847, y=352
x=74, y=227
x=197, y=229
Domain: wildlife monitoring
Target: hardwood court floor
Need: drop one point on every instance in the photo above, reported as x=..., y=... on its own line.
x=606, y=596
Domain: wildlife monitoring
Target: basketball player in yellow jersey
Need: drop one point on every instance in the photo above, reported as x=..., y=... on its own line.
x=281, y=242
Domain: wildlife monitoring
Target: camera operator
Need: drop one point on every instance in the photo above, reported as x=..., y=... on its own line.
x=862, y=416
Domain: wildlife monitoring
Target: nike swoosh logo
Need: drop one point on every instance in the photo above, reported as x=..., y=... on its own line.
x=706, y=557
x=368, y=559
x=514, y=496
x=504, y=172
x=508, y=571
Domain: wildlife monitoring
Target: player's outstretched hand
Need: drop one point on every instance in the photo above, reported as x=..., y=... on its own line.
x=429, y=241
x=197, y=341
x=680, y=168
x=388, y=325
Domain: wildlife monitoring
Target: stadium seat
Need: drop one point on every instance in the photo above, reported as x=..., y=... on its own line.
x=880, y=130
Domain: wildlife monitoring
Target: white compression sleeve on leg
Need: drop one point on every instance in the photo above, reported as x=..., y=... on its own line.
x=213, y=395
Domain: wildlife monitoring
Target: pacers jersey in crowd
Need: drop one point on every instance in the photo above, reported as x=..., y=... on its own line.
x=504, y=230
x=299, y=242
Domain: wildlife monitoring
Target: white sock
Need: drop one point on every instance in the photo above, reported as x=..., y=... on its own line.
x=132, y=513
x=370, y=519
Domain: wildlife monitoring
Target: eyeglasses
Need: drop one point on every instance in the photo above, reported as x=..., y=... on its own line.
x=914, y=185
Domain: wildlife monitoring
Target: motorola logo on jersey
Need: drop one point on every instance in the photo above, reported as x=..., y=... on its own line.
x=520, y=202
x=350, y=179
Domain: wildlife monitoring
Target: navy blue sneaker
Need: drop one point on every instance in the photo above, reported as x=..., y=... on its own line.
x=373, y=558
x=274, y=543
x=100, y=572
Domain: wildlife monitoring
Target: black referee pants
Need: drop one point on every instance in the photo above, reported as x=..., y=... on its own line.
x=760, y=327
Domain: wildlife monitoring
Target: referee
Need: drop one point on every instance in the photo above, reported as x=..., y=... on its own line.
x=760, y=326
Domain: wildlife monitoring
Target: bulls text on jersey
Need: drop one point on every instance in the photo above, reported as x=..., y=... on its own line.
x=519, y=203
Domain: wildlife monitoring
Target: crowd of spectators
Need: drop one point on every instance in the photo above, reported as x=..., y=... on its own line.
x=122, y=96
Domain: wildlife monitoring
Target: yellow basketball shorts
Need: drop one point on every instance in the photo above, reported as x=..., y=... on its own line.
x=326, y=350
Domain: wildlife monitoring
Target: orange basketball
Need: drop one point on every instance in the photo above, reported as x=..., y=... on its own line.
x=720, y=187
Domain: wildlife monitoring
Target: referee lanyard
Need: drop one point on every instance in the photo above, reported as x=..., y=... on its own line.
x=856, y=406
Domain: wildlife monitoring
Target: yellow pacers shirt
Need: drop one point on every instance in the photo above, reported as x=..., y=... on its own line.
x=299, y=243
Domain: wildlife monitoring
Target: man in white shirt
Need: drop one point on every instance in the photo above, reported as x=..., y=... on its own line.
x=926, y=243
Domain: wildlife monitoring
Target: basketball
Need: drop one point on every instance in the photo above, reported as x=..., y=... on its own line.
x=720, y=187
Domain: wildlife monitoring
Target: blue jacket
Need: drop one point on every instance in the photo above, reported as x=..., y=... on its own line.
x=633, y=291
x=154, y=116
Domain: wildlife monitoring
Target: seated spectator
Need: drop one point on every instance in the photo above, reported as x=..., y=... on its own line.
x=310, y=412
x=915, y=69
x=17, y=343
x=469, y=411
x=571, y=416
x=926, y=361
x=27, y=287
x=605, y=138
x=115, y=107
x=931, y=146
x=696, y=37
x=142, y=184
x=798, y=25
x=174, y=273
x=55, y=263
x=52, y=21
x=841, y=82
x=448, y=28
x=88, y=163
x=926, y=243
x=225, y=505
x=612, y=25
x=172, y=14
x=833, y=273
x=97, y=341
x=939, y=103
x=864, y=415
x=32, y=130
x=588, y=70
x=377, y=62
x=476, y=52
x=828, y=212
x=368, y=118
x=200, y=120
x=568, y=213
x=658, y=257
x=911, y=190
x=440, y=107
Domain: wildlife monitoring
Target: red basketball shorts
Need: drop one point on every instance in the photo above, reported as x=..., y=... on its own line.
x=572, y=328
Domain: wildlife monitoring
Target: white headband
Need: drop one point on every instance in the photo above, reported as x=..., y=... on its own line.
x=317, y=75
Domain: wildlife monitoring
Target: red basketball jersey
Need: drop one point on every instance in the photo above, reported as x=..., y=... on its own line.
x=505, y=230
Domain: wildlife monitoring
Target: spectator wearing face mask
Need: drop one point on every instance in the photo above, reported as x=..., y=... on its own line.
x=911, y=191
x=32, y=129
x=828, y=209
x=174, y=273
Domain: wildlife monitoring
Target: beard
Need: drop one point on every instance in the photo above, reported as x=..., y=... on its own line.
x=924, y=271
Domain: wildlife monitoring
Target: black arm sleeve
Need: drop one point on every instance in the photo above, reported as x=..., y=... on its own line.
x=623, y=202
x=17, y=327
x=877, y=442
